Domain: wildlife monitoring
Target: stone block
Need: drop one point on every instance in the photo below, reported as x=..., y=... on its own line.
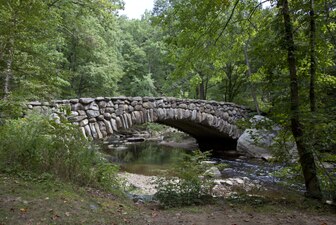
x=102, y=104
x=74, y=100
x=88, y=131
x=92, y=113
x=86, y=100
x=114, y=124
x=93, y=106
x=93, y=130
x=76, y=118
x=108, y=126
x=147, y=105
x=84, y=122
x=102, y=128
x=107, y=116
x=81, y=112
x=109, y=110
x=99, y=133
x=138, y=107
x=100, y=98
x=109, y=104
x=119, y=111
x=100, y=118
x=119, y=123
x=92, y=120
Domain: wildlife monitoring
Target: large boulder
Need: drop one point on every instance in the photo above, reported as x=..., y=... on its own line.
x=248, y=145
x=259, y=140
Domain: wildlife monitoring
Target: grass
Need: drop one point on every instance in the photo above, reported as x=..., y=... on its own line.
x=271, y=201
x=51, y=202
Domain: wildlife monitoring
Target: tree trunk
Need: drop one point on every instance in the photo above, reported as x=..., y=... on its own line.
x=202, y=88
x=249, y=72
x=80, y=87
x=229, y=76
x=229, y=89
x=306, y=156
x=312, y=40
x=9, y=61
x=8, y=71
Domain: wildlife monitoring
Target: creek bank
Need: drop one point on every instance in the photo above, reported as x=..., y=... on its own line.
x=237, y=176
x=141, y=187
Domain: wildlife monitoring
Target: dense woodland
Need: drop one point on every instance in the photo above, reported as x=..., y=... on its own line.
x=278, y=59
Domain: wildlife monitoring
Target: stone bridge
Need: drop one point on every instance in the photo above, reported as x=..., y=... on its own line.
x=211, y=123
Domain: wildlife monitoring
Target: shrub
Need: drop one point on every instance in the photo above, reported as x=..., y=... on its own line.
x=37, y=144
x=185, y=185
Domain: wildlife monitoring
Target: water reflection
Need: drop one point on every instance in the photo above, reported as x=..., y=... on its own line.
x=147, y=158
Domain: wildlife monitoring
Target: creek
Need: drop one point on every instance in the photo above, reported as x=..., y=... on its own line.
x=140, y=162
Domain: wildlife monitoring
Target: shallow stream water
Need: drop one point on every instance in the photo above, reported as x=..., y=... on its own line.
x=145, y=158
x=149, y=158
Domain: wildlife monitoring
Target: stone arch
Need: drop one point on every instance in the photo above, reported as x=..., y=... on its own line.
x=210, y=122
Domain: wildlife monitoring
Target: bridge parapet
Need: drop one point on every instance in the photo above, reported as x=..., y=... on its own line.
x=102, y=116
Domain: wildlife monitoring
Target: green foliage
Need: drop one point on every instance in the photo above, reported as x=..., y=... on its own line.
x=59, y=48
x=290, y=174
x=154, y=127
x=284, y=149
x=144, y=52
x=37, y=144
x=252, y=200
x=185, y=186
x=28, y=39
x=327, y=182
x=144, y=86
x=10, y=109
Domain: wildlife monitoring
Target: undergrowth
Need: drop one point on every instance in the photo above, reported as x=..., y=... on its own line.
x=37, y=145
x=186, y=186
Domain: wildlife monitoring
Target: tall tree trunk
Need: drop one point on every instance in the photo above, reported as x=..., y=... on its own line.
x=229, y=75
x=8, y=71
x=202, y=89
x=249, y=72
x=80, y=87
x=197, y=92
x=10, y=57
x=306, y=156
x=312, y=41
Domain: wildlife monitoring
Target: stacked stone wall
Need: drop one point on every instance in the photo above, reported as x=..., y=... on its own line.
x=102, y=116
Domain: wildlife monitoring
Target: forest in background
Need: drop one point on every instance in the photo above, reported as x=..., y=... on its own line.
x=279, y=60
x=215, y=50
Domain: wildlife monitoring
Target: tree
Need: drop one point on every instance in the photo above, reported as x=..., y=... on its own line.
x=92, y=62
x=28, y=39
x=306, y=156
x=312, y=43
x=198, y=37
x=206, y=45
x=191, y=27
x=145, y=65
x=43, y=43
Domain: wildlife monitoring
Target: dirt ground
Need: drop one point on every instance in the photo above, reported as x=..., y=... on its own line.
x=234, y=216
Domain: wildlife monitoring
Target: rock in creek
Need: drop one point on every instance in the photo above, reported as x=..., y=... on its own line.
x=258, y=141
